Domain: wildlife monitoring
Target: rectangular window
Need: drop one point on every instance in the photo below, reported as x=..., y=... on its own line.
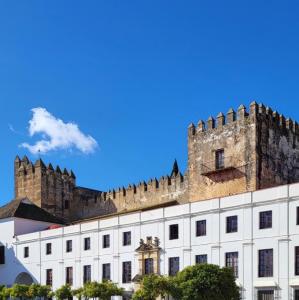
x=296, y=260
x=69, y=246
x=106, y=272
x=201, y=228
x=106, y=241
x=49, y=277
x=265, y=263
x=87, y=243
x=69, y=275
x=231, y=224
x=219, y=159
x=265, y=295
x=127, y=271
x=26, y=252
x=174, y=266
x=201, y=259
x=2, y=255
x=86, y=273
x=174, y=231
x=231, y=261
x=296, y=295
x=266, y=219
x=127, y=238
x=66, y=204
x=148, y=266
x=48, y=248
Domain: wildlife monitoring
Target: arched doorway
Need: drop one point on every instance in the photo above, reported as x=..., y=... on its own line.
x=24, y=278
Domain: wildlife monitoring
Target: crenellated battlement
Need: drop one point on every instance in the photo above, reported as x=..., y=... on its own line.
x=255, y=113
x=151, y=186
x=239, y=151
x=24, y=167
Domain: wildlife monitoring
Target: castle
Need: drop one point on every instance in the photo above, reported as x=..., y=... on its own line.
x=239, y=152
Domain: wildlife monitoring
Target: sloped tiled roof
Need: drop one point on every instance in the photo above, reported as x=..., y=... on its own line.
x=24, y=208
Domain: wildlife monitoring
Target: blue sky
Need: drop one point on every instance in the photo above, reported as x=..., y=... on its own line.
x=134, y=74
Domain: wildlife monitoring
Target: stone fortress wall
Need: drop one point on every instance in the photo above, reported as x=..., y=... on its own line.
x=259, y=149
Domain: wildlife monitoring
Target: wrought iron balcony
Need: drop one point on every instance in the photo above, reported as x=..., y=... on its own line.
x=215, y=166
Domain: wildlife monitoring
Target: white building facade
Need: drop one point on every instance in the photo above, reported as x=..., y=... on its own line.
x=256, y=233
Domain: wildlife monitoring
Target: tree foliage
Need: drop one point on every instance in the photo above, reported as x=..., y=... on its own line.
x=64, y=292
x=19, y=291
x=102, y=290
x=152, y=286
x=199, y=282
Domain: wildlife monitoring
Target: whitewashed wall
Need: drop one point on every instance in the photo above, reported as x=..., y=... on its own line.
x=282, y=237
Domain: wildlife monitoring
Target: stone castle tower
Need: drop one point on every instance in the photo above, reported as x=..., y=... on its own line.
x=242, y=151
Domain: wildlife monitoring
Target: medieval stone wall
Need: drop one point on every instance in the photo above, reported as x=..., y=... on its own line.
x=260, y=149
x=277, y=148
x=236, y=135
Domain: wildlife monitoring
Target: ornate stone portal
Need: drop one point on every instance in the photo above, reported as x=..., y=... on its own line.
x=148, y=257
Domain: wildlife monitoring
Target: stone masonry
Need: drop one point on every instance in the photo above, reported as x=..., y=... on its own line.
x=242, y=151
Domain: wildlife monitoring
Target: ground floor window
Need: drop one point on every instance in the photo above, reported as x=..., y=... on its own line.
x=106, y=272
x=265, y=295
x=127, y=271
x=201, y=259
x=231, y=261
x=69, y=275
x=148, y=266
x=174, y=265
x=86, y=273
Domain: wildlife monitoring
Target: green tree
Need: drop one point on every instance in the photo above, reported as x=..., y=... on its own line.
x=19, y=291
x=205, y=282
x=5, y=292
x=32, y=292
x=64, y=292
x=102, y=290
x=78, y=293
x=44, y=291
x=110, y=289
x=153, y=286
x=199, y=282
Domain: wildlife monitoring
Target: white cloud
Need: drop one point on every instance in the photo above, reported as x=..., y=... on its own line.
x=56, y=134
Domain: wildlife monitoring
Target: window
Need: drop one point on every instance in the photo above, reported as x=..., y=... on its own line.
x=86, y=273
x=69, y=246
x=201, y=259
x=219, y=159
x=48, y=248
x=201, y=228
x=87, y=243
x=127, y=271
x=148, y=266
x=265, y=295
x=127, y=238
x=69, y=275
x=174, y=232
x=297, y=217
x=49, y=277
x=231, y=224
x=296, y=295
x=265, y=263
x=2, y=255
x=106, y=241
x=26, y=252
x=106, y=272
x=66, y=204
x=174, y=266
x=231, y=261
x=266, y=219
x=297, y=260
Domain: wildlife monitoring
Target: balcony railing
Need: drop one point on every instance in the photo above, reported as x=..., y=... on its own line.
x=214, y=166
